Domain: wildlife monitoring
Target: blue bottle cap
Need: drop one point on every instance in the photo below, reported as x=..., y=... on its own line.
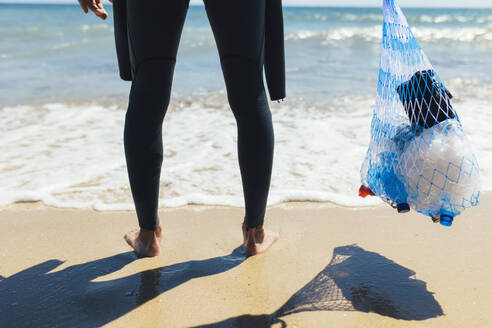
x=446, y=220
x=403, y=208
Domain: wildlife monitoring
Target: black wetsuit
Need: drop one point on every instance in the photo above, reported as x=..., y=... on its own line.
x=147, y=44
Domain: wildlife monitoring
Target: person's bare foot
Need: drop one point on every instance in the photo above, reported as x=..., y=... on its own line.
x=144, y=242
x=258, y=240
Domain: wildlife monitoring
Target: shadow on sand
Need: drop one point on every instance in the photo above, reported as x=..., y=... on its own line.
x=354, y=280
x=67, y=298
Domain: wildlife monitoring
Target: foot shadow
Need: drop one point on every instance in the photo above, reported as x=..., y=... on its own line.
x=36, y=297
x=354, y=280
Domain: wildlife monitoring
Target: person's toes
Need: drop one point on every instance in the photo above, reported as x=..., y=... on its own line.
x=269, y=238
x=131, y=236
x=128, y=239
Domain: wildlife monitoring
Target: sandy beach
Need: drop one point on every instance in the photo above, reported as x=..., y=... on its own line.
x=341, y=261
x=333, y=266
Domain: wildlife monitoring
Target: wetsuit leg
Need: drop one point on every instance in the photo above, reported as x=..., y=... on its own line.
x=154, y=29
x=238, y=28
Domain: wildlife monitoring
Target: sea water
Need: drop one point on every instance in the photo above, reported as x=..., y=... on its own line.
x=62, y=105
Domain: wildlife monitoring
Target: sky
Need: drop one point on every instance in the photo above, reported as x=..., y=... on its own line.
x=357, y=3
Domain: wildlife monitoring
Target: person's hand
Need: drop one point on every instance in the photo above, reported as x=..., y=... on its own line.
x=95, y=6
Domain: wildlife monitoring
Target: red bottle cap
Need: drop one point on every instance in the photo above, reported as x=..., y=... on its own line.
x=365, y=191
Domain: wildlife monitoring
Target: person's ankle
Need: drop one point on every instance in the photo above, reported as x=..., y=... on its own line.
x=158, y=232
x=147, y=236
x=253, y=235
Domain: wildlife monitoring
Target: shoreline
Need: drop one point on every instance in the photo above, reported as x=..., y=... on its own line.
x=333, y=265
x=37, y=204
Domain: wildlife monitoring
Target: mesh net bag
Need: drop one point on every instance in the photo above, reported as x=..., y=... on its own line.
x=419, y=156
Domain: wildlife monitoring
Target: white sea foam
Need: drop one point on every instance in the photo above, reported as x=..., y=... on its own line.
x=337, y=34
x=73, y=155
x=96, y=27
x=63, y=45
x=377, y=17
x=374, y=33
x=361, y=17
x=446, y=19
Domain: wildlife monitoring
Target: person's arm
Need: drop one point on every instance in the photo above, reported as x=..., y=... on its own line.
x=95, y=6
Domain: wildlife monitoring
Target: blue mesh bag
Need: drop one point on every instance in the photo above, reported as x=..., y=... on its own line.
x=419, y=156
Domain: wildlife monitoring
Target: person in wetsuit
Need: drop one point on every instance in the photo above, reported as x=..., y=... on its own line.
x=248, y=35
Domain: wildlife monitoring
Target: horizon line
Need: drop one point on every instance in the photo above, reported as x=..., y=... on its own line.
x=13, y=2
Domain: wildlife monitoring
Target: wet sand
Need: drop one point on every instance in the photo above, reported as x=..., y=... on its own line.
x=333, y=267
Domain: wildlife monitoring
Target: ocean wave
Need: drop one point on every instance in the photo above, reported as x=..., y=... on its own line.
x=336, y=17
x=30, y=33
x=73, y=156
x=376, y=17
x=95, y=27
x=470, y=34
x=65, y=45
x=374, y=33
x=337, y=34
x=442, y=19
x=361, y=18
